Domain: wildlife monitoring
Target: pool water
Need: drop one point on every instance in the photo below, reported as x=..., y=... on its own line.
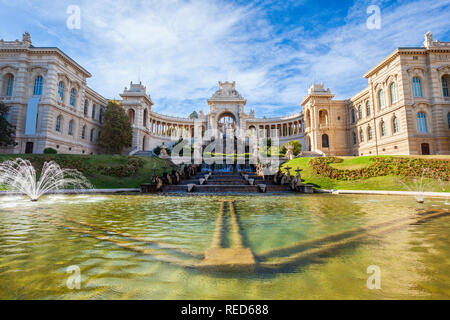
x=147, y=247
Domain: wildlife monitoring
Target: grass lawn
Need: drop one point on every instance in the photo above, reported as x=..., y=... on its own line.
x=103, y=181
x=144, y=173
x=389, y=183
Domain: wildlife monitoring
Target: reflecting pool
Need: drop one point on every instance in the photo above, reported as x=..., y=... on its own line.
x=149, y=247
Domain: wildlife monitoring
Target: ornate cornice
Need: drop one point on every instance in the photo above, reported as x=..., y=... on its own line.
x=56, y=51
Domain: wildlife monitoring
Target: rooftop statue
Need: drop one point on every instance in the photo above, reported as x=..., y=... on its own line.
x=227, y=90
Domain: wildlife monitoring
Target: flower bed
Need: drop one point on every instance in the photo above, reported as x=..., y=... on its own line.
x=435, y=169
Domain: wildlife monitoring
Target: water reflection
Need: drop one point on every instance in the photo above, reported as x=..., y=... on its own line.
x=35, y=252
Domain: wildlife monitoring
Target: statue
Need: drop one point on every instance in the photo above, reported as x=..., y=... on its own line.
x=428, y=40
x=259, y=171
x=166, y=177
x=164, y=154
x=157, y=181
x=286, y=179
x=289, y=152
x=278, y=176
x=173, y=176
x=297, y=181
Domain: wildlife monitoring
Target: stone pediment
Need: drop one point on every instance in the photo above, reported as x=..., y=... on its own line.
x=227, y=92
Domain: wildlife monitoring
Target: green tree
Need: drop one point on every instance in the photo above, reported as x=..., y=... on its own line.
x=193, y=115
x=7, y=131
x=116, y=132
x=297, y=147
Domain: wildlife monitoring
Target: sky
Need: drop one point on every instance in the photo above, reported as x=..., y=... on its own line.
x=181, y=49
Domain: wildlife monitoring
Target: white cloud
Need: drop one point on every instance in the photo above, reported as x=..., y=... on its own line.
x=181, y=48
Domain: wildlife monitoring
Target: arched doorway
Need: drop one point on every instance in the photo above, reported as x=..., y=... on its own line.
x=131, y=115
x=226, y=123
x=325, y=141
x=308, y=118
x=29, y=147
x=425, y=147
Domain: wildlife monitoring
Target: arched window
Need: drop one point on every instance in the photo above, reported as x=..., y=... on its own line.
x=353, y=116
x=38, y=82
x=361, y=135
x=93, y=111
x=381, y=98
x=70, y=131
x=73, y=94
x=383, y=128
x=86, y=104
x=58, y=123
x=395, y=124
x=367, y=108
x=323, y=117
x=422, y=122
x=91, y=138
x=83, y=133
x=9, y=80
x=417, y=87
x=61, y=91
x=360, y=112
x=393, y=89
x=325, y=141
x=369, y=133
x=144, y=123
x=308, y=118
x=355, y=140
x=445, y=81
x=131, y=116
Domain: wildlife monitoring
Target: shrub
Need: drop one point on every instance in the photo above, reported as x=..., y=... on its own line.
x=157, y=151
x=50, y=151
x=434, y=169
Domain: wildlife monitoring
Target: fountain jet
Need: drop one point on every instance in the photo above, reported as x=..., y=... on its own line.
x=19, y=175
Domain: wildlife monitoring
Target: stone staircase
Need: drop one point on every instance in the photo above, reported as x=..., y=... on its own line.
x=225, y=182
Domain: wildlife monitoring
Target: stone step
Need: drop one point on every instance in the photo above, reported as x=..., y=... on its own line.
x=235, y=175
x=225, y=188
x=226, y=179
x=226, y=182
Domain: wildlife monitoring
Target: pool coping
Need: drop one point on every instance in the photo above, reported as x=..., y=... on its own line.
x=328, y=191
x=388, y=193
x=78, y=191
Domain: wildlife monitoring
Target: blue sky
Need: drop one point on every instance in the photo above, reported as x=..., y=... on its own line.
x=180, y=49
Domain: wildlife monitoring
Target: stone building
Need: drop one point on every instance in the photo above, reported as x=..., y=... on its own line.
x=51, y=105
x=404, y=110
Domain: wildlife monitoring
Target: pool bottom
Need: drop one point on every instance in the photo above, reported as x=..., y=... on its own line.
x=36, y=253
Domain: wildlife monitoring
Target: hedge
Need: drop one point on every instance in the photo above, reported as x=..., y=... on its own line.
x=429, y=168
